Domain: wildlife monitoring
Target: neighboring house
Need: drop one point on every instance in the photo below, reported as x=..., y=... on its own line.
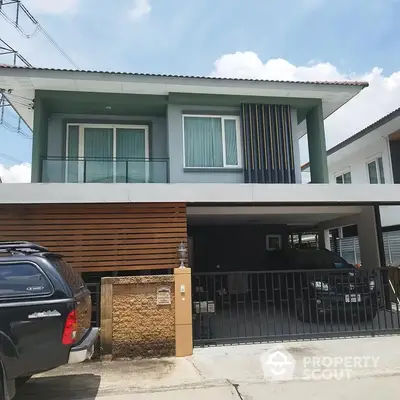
x=371, y=156
x=128, y=168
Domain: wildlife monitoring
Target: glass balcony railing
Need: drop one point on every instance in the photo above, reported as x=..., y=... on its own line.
x=101, y=170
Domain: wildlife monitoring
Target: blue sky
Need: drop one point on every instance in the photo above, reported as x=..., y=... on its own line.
x=284, y=39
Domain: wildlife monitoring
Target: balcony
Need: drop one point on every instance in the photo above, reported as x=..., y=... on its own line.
x=105, y=170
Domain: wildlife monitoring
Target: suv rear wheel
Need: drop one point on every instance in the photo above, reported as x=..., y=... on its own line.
x=2, y=394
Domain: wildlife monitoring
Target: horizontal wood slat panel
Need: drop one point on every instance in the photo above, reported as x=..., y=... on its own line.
x=91, y=230
x=72, y=244
x=77, y=221
x=106, y=237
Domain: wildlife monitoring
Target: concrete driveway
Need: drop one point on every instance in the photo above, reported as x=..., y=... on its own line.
x=231, y=372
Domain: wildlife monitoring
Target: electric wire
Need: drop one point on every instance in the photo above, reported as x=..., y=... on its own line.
x=38, y=27
x=7, y=157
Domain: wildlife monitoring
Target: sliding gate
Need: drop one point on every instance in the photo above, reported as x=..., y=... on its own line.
x=249, y=307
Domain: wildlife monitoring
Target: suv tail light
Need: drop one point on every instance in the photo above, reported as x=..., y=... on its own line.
x=69, y=334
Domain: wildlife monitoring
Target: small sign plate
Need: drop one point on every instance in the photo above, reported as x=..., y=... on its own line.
x=163, y=296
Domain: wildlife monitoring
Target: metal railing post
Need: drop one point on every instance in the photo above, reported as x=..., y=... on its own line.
x=84, y=171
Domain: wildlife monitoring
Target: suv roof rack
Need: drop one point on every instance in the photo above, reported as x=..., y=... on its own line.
x=23, y=247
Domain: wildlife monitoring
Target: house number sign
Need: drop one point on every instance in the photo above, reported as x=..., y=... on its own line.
x=163, y=296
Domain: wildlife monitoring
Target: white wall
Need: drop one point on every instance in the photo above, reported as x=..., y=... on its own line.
x=356, y=161
x=354, y=158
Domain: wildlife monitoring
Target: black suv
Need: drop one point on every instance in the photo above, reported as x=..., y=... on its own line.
x=320, y=282
x=45, y=313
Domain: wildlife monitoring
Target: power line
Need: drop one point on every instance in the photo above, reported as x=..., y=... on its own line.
x=18, y=130
x=7, y=157
x=6, y=49
x=16, y=25
x=21, y=9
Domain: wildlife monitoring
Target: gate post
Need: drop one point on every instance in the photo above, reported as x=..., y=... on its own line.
x=183, y=312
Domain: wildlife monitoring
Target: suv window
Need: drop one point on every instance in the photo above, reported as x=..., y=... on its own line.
x=320, y=259
x=339, y=262
x=23, y=279
x=72, y=278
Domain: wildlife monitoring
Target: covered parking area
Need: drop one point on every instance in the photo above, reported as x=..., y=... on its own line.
x=243, y=292
x=239, y=292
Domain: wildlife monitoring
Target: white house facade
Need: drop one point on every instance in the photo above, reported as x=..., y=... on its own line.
x=370, y=156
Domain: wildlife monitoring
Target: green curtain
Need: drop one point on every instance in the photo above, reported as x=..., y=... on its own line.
x=72, y=162
x=230, y=142
x=131, y=155
x=203, y=142
x=98, y=153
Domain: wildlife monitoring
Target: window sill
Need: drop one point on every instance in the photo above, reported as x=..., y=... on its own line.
x=211, y=169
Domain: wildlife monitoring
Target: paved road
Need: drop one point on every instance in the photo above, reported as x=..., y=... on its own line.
x=366, y=388
x=226, y=373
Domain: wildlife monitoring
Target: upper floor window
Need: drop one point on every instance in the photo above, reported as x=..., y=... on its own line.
x=343, y=178
x=211, y=141
x=375, y=171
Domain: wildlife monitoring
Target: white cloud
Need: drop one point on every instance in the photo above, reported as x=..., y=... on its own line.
x=140, y=9
x=374, y=102
x=20, y=173
x=52, y=6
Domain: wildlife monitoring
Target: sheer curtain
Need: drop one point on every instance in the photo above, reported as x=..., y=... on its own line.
x=203, y=142
x=131, y=155
x=231, y=151
x=98, y=153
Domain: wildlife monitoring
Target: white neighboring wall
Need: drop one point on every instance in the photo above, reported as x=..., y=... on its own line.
x=354, y=158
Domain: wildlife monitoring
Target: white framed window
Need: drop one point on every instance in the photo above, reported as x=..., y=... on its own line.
x=376, y=173
x=211, y=141
x=274, y=242
x=106, y=153
x=344, y=177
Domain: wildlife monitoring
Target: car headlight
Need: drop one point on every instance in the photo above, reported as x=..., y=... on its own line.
x=371, y=284
x=320, y=286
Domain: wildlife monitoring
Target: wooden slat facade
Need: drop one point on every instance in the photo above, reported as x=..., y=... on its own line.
x=101, y=237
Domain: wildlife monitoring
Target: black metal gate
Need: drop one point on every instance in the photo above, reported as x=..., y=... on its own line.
x=95, y=295
x=277, y=305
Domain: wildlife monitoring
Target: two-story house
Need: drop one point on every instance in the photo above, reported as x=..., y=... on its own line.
x=371, y=156
x=128, y=167
x=157, y=138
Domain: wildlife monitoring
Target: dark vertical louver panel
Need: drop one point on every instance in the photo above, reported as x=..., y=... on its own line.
x=268, y=143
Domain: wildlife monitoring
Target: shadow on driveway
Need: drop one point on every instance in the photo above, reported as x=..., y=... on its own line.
x=83, y=386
